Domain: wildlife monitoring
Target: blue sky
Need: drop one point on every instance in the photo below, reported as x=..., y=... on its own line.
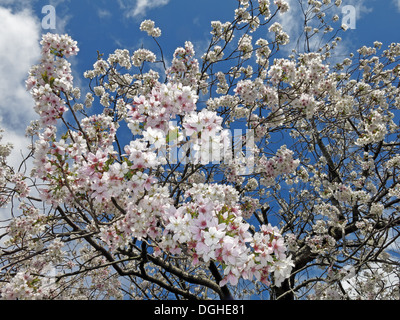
x=108, y=25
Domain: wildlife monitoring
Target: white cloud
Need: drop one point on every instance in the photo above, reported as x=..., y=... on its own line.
x=19, y=41
x=18, y=4
x=138, y=8
x=102, y=13
x=396, y=4
x=20, y=50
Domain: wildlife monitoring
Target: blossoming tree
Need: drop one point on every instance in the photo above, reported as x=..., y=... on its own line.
x=241, y=173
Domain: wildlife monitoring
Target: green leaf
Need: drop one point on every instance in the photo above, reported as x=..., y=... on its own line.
x=45, y=77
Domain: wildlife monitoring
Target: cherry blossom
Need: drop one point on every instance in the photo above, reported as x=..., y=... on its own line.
x=229, y=171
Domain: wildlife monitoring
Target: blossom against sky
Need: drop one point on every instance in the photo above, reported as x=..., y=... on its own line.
x=108, y=25
x=105, y=26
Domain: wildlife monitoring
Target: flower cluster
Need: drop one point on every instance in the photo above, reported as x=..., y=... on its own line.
x=245, y=46
x=249, y=91
x=204, y=129
x=149, y=27
x=26, y=286
x=185, y=69
x=281, y=163
x=306, y=104
x=160, y=106
x=249, y=205
x=283, y=6
x=321, y=243
x=52, y=77
x=5, y=171
x=141, y=220
x=26, y=226
x=217, y=232
x=222, y=31
x=262, y=52
x=141, y=55
x=281, y=36
x=375, y=129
